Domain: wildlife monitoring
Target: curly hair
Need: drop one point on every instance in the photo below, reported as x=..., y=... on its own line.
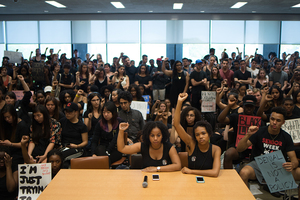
x=184, y=113
x=150, y=126
x=204, y=124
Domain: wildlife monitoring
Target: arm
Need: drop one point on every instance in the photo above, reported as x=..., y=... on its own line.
x=284, y=85
x=126, y=149
x=176, y=164
x=214, y=172
x=245, y=142
x=11, y=183
x=24, y=142
x=127, y=83
x=30, y=148
x=43, y=157
x=260, y=111
x=88, y=121
x=24, y=84
x=163, y=69
x=219, y=95
x=187, y=81
x=136, y=82
x=293, y=164
x=223, y=115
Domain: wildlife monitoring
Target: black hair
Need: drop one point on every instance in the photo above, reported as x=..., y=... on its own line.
x=295, y=96
x=101, y=69
x=111, y=107
x=279, y=110
x=25, y=67
x=42, y=130
x=287, y=99
x=89, y=98
x=138, y=92
x=149, y=126
x=118, y=92
x=143, y=56
x=147, y=70
x=12, y=95
x=8, y=131
x=56, y=110
x=277, y=61
x=102, y=90
x=174, y=67
x=62, y=96
x=280, y=98
x=272, y=54
x=125, y=95
x=204, y=124
x=184, y=113
x=67, y=65
x=234, y=94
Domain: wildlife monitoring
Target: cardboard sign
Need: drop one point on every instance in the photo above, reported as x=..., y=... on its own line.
x=33, y=179
x=276, y=177
x=292, y=127
x=146, y=98
x=20, y=94
x=14, y=57
x=244, y=122
x=208, y=101
x=37, y=72
x=140, y=106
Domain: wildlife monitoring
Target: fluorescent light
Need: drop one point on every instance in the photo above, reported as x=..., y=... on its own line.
x=55, y=4
x=238, y=4
x=117, y=4
x=177, y=5
x=202, y=11
x=2, y=6
x=150, y=10
x=296, y=6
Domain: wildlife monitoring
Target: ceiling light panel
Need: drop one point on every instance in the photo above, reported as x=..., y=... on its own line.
x=2, y=6
x=56, y=4
x=239, y=5
x=296, y=6
x=177, y=6
x=117, y=5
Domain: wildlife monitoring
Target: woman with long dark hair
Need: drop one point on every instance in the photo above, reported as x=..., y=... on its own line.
x=180, y=80
x=52, y=106
x=135, y=92
x=45, y=134
x=120, y=78
x=144, y=78
x=12, y=129
x=82, y=76
x=106, y=133
x=99, y=78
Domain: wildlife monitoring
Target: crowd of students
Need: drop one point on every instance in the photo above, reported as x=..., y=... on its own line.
x=83, y=108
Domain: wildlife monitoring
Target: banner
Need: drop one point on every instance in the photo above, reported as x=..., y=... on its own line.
x=33, y=179
x=146, y=98
x=20, y=94
x=140, y=106
x=208, y=101
x=37, y=72
x=14, y=57
x=276, y=177
x=244, y=122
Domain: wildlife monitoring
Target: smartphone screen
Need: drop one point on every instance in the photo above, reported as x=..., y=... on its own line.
x=155, y=177
x=199, y=179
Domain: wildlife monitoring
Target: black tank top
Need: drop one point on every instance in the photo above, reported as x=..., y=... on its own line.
x=200, y=160
x=148, y=161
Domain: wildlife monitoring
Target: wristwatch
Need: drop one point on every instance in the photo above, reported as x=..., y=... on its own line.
x=158, y=169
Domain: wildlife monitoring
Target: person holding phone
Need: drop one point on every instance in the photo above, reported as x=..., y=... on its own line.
x=158, y=154
x=204, y=157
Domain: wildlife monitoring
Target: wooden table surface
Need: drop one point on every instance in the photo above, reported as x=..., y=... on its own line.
x=110, y=184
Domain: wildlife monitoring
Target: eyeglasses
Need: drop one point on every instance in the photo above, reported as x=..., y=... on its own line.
x=191, y=115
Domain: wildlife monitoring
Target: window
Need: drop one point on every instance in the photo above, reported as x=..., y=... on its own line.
x=130, y=50
x=22, y=32
x=97, y=48
x=24, y=48
x=195, y=51
x=65, y=48
x=154, y=51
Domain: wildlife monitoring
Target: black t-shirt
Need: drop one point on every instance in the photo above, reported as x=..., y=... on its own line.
x=242, y=76
x=142, y=80
x=130, y=72
x=263, y=143
x=4, y=194
x=198, y=76
x=71, y=132
x=66, y=79
x=94, y=122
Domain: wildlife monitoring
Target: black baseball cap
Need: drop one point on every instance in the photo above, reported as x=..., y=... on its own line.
x=71, y=107
x=249, y=100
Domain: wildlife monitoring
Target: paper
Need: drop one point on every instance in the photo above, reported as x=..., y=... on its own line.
x=37, y=72
x=140, y=106
x=14, y=57
x=244, y=122
x=276, y=177
x=33, y=179
x=208, y=101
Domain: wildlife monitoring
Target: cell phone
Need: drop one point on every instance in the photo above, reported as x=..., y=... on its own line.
x=200, y=179
x=155, y=177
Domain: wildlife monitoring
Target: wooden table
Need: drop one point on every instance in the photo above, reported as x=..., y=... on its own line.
x=127, y=184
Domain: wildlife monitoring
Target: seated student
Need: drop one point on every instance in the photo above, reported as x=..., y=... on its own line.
x=54, y=157
x=204, y=157
x=258, y=137
x=105, y=134
x=8, y=176
x=158, y=154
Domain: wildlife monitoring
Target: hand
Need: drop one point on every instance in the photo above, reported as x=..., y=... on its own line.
x=288, y=166
x=269, y=97
x=123, y=126
x=7, y=160
x=82, y=83
x=5, y=143
x=116, y=73
x=150, y=169
x=121, y=79
x=97, y=72
x=20, y=77
x=41, y=158
x=54, y=83
x=252, y=130
x=251, y=56
x=122, y=54
x=186, y=170
x=166, y=59
x=157, y=102
x=30, y=70
x=80, y=92
x=219, y=90
x=90, y=115
x=129, y=141
x=182, y=97
x=15, y=68
x=72, y=146
x=94, y=155
x=231, y=102
x=24, y=140
x=265, y=90
x=77, y=74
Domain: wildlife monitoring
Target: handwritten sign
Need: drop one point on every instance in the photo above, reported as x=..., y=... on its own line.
x=244, y=122
x=38, y=72
x=33, y=179
x=20, y=94
x=276, y=177
x=292, y=127
x=146, y=98
x=140, y=106
x=14, y=57
x=208, y=101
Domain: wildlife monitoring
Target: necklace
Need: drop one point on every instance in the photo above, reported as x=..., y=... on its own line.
x=179, y=77
x=273, y=138
x=157, y=148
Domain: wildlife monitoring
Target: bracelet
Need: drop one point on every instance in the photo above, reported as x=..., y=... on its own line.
x=77, y=95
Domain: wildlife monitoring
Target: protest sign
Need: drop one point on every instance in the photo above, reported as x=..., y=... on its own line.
x=14, y=57
x=292, y=127
x=208, y=101
x=140, y=106
x=276, y=177
x=37, y=72
x=146, y=98
x=33, y=179
x=20, y=94
x=244, y=122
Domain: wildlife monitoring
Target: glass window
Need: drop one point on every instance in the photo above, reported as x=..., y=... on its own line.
x=2, y=49
x=1, y=32
x=195, y=31
x=57, y=32
x=154, y=51
x=229, y=32
x=289, y=32
x=88, y=32
x=22, y=32
x=262, y=32
x=219, y=48
x=194, y=51
x=65, y=48
x=97, y=48
x=123, y=31
x=250, y=49
x=24, y=48
x=153, y=31
x=130, y=50
x=288, y=49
